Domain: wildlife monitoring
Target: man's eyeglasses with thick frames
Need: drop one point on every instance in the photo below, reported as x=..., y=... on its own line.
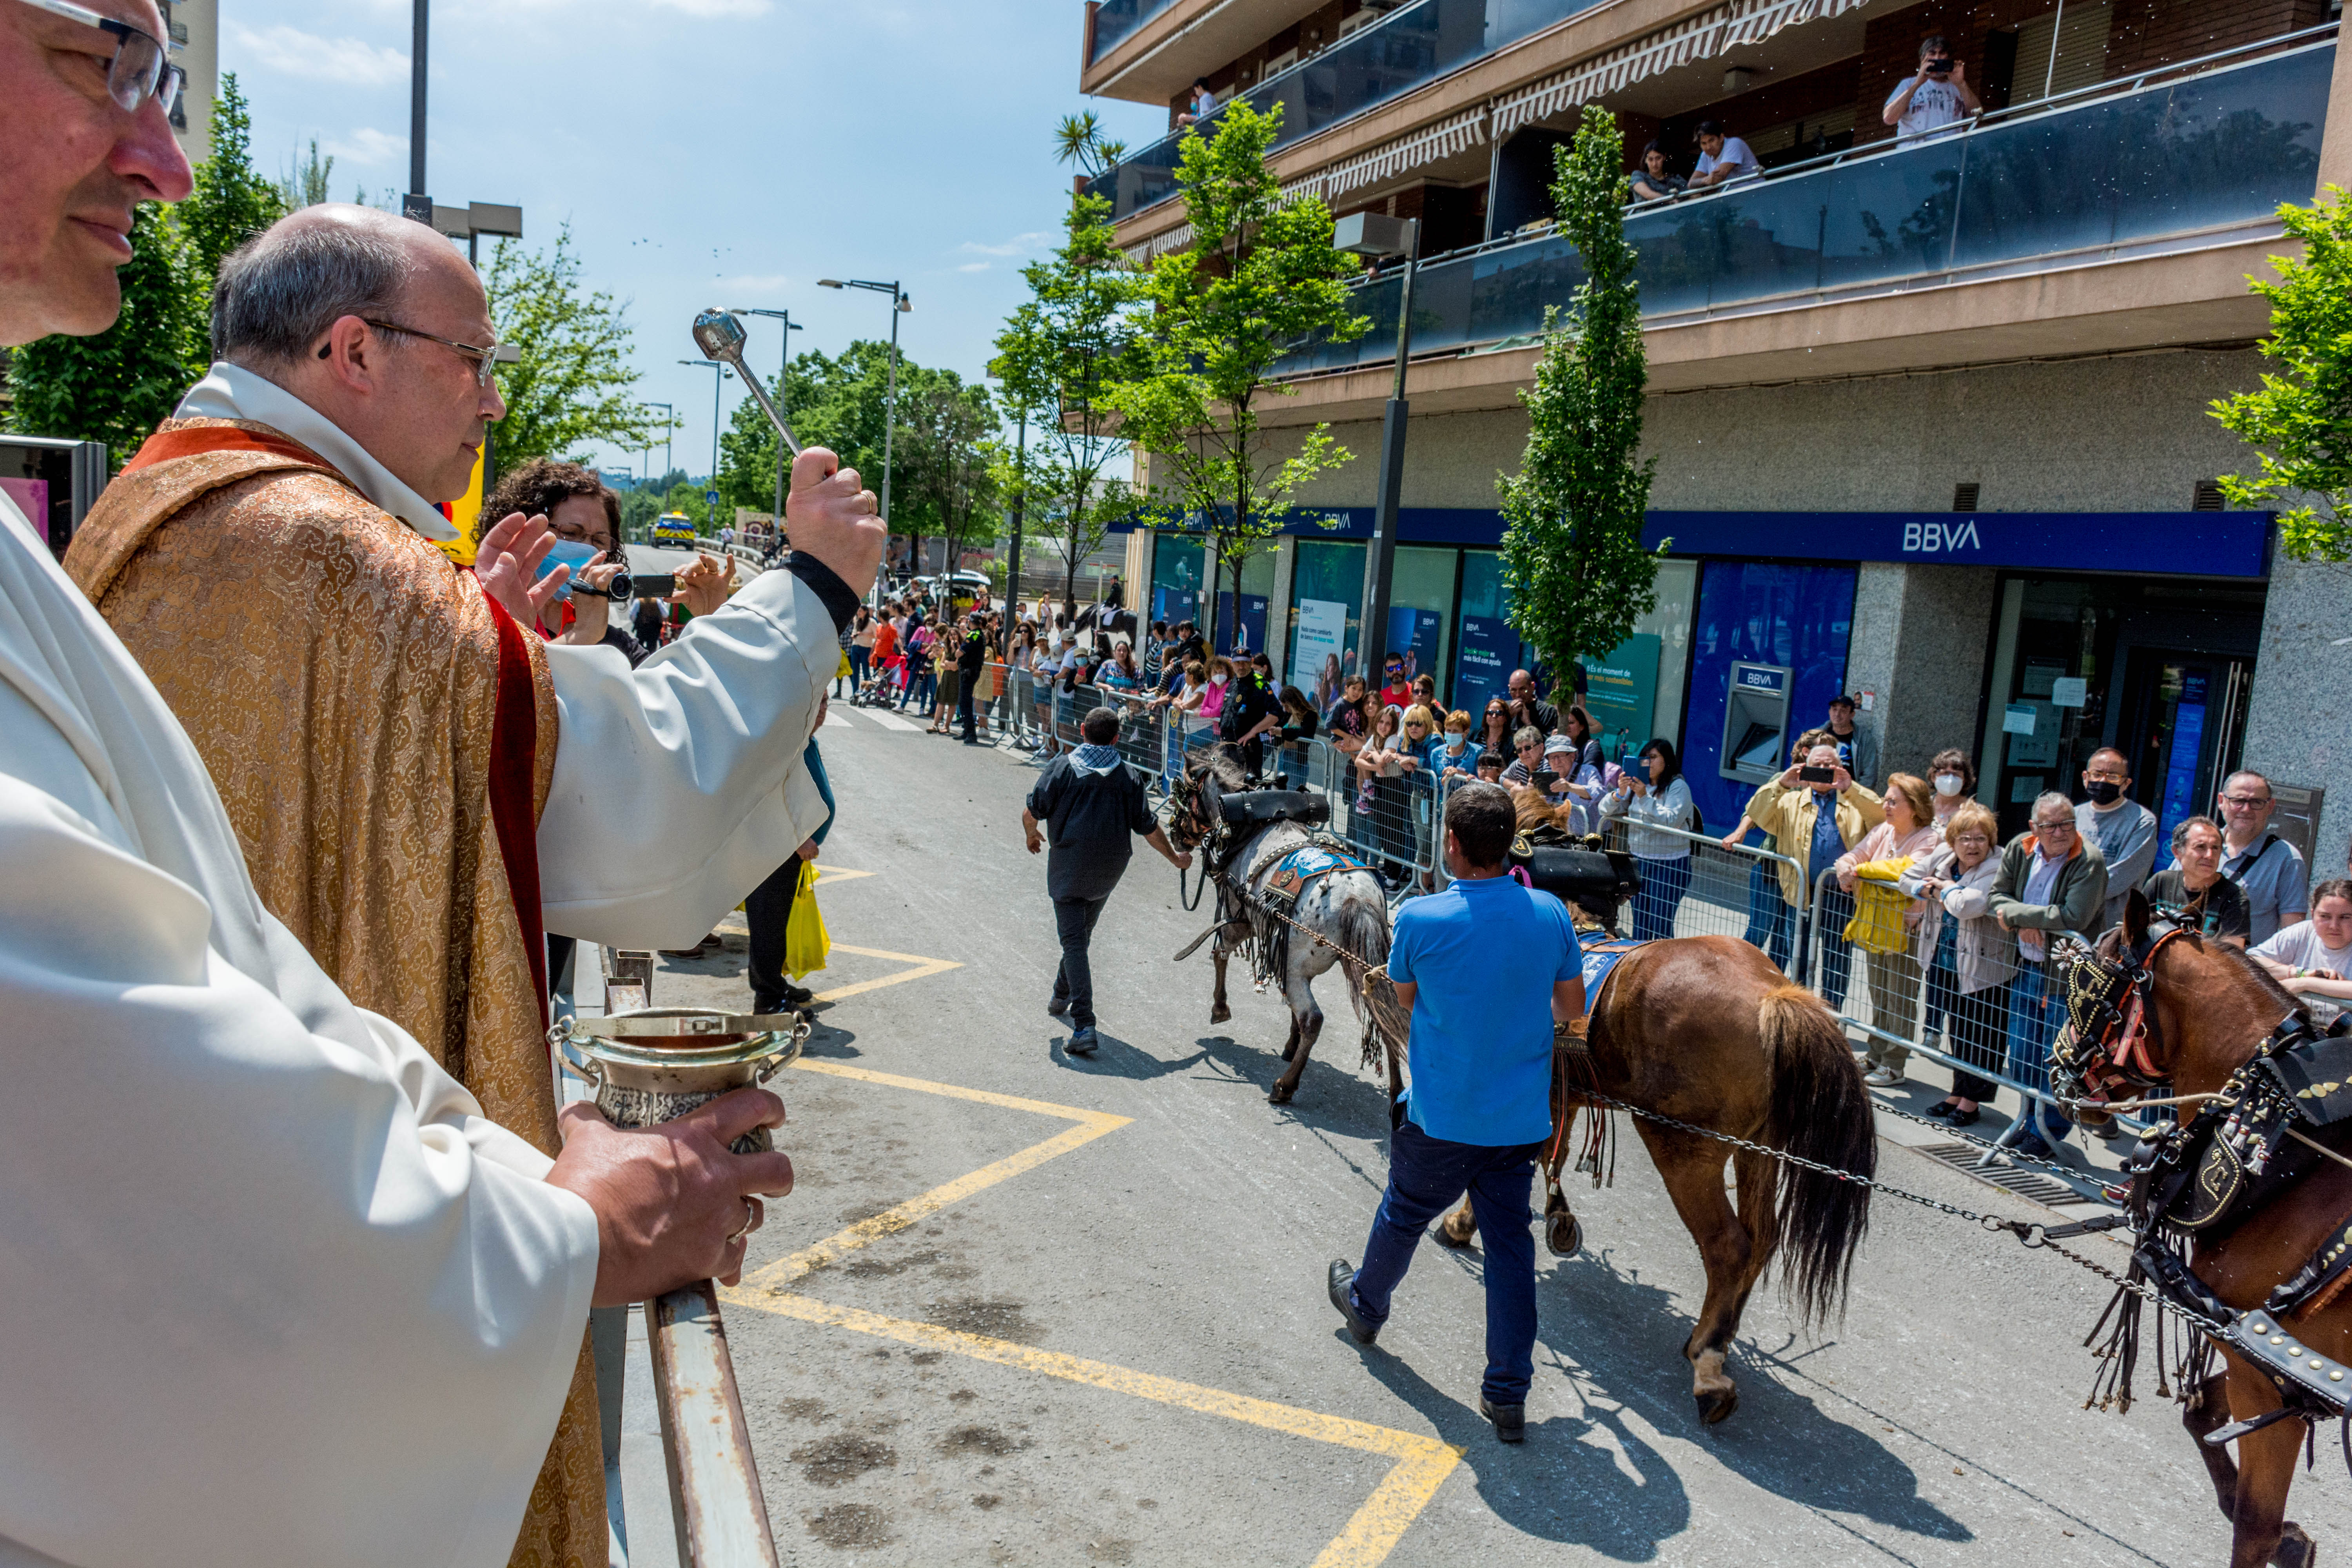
x=140, y=69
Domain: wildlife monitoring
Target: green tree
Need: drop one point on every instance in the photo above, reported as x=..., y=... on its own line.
x=231, y=203
x=116, y=386
x=2303, y=417
x=304, y=184
x=1260, y=276
x=947, y=440
x=1079, y=140
x=1059, y=355
x=574, y=383
x=1573, y=565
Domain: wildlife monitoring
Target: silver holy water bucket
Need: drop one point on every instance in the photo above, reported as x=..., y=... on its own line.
x=655, y=1064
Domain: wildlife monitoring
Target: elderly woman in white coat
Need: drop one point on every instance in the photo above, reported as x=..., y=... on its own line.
x=1975, y=958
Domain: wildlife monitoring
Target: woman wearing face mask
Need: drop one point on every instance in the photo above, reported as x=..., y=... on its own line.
x=1974, y=957
x=585, y=519
x=1458, y=758
x=1954, y=779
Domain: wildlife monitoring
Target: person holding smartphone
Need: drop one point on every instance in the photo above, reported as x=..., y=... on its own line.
x=1936, y=95
x=1815, y=813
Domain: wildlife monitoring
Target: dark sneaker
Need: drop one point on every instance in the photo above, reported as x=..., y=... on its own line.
x=1342, y=1282
x=2033, y=1147
x=1058, y=1005
x=1510, y=1420
x=1082, y=1042
x=798, y=996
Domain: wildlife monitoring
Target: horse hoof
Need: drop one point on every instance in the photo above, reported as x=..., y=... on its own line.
x=1444, y=1235
x=2295, y=1549
x=1280, y=1094
x=1563, y=1236
x=1219, y=1013
x=1718, y=1404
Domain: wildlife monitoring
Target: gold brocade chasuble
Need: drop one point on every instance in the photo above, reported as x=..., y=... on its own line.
x=342, y=681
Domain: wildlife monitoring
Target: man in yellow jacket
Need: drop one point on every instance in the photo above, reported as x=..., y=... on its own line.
x=1815, y=813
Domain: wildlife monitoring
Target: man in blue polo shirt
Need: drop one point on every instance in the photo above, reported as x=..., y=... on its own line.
x=1485, y=968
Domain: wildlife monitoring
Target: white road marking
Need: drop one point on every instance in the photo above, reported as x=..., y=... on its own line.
x=888, y=721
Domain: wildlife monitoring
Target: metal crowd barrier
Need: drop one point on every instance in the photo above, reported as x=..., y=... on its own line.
x=1910, y=1001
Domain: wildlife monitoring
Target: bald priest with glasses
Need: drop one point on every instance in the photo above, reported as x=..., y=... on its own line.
x=424, y=788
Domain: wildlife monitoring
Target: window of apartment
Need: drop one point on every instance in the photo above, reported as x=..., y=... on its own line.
x=2051, y=53
x=1327, y=601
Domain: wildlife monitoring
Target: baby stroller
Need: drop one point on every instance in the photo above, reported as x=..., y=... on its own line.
x=882, y=684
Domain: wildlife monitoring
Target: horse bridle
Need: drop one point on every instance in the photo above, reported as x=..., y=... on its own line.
x=2111, y=1040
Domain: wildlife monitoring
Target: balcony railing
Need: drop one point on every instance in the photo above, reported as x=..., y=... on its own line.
x=1118, y=18
x=2200, y=155
x=1410, y=47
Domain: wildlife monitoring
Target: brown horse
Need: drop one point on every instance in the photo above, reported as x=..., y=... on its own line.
x=2210, y=1008
x=1703, y=1029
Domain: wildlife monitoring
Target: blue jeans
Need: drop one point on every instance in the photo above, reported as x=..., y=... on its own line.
x=858, y=658
x=2034, y=1016
x=1837, y=954
x=1663, y=883
x=1770, y=921
x=1428, y=1175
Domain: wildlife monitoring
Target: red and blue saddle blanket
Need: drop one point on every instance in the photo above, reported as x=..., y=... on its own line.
x=1600, y=956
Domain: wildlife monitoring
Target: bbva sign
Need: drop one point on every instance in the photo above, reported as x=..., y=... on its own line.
x=1939, y=538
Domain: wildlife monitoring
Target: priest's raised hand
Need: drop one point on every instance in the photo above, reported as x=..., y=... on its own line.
x=832, y=516
x=673, y=1203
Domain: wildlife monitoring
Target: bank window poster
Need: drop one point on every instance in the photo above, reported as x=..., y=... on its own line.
x=1621, y=692
x=1318, y=649
x=1482, y=669
x=1416, y=635
x=1246, y=636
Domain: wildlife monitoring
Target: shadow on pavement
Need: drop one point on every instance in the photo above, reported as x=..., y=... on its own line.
x=1622, y=1341
x=1116, y=1058
x=826, y=1039
x=1331, y=1097
x=1560, y=1486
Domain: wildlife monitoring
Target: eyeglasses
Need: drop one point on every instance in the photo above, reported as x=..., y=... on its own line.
x=1972, y=838
x=2053, y=829
x=2246, y=802
x=138, y=69
x=486, y=358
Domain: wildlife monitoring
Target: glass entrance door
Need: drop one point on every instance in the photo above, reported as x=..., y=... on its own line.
x=2183, y=727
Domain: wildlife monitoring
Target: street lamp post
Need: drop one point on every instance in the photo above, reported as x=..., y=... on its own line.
x=784, y=405
x=417, y=205
x=1377, y=234
x=717, y=382
x=669, y=417
x=900, y=305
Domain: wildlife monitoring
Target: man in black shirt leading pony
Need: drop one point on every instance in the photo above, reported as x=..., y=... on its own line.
x=1092, y=803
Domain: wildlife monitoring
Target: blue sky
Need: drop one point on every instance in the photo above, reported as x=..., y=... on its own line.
x=712, y=152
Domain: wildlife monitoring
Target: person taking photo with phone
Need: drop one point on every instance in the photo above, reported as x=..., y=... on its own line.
x=1815, y=813
x=1936, y=95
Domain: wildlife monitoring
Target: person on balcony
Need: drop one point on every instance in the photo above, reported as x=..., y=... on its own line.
x=1201, y=104
x=1935, y=96
x=1721, y=158
x=1654, y=181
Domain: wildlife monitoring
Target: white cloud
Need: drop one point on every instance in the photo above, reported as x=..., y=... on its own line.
x=369, y=148
x=351, y=61
x=1019, y=245
x=974, y=267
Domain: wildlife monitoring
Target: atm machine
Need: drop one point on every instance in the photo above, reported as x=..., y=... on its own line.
x=53, y=481
x=1756, y=722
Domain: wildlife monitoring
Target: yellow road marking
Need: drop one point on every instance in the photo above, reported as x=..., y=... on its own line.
x=923, y=967
x=1422, y=1463
x=1091, y=1125
x=838, y=874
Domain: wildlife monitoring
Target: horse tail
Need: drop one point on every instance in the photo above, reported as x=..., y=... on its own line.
x=1364, y=936
x=1820, y=1112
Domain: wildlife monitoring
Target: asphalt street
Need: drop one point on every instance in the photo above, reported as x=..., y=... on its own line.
x=1088, y=1325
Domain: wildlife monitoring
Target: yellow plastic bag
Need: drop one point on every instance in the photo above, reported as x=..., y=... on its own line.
x=806, y=944
x=1877, y=925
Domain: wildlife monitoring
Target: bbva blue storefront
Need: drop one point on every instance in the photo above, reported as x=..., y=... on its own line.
x=2132, y=629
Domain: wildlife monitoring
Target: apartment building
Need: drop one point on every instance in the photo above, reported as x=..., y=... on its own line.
x=195, y=38
x=1930, y=415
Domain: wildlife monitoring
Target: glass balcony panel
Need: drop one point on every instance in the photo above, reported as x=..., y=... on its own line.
x=1415, y=45
x=2213, y=150
x=1118, y=18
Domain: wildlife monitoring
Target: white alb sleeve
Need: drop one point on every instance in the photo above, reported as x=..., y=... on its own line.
x=258, y=1252
x=679, y=785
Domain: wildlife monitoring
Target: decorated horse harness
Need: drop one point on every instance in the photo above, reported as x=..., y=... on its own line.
x=2199, y=1179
